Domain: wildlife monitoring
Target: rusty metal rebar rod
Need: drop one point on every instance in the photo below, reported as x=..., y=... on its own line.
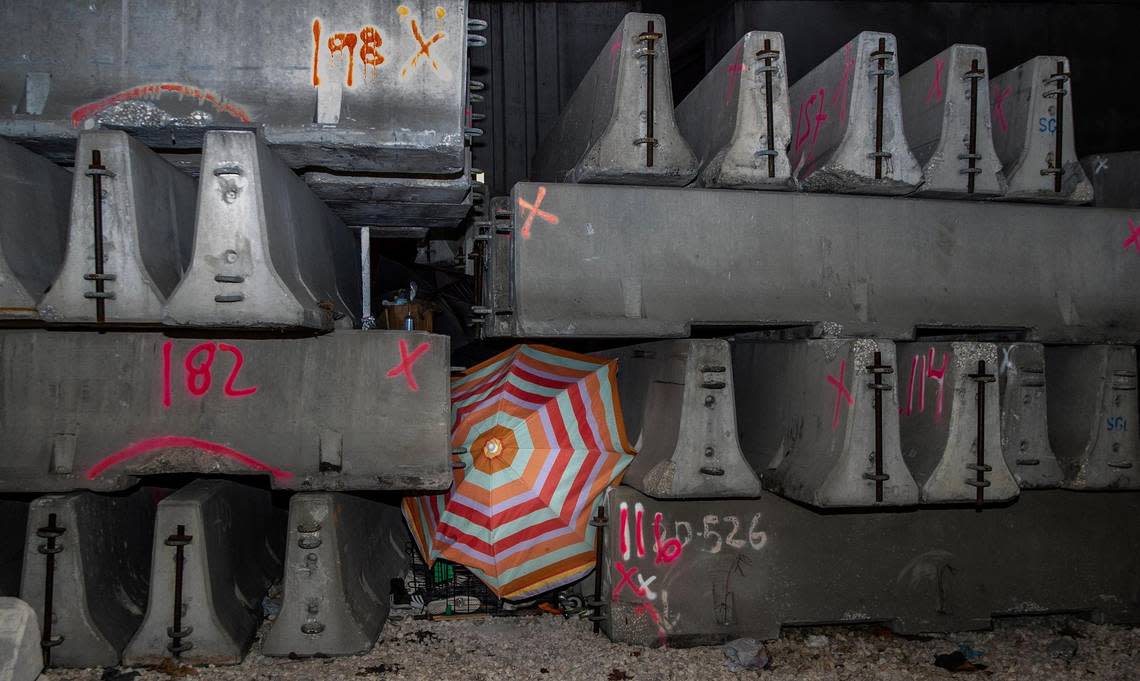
x=769, y=56
x=50, y=532
x=177, y=646
x=878, y=370
x=980, y=467
x=882, y=54
x=596, y=603
x=972, y=150
x=650, y=38
x=1058, y=161
x=98, y=170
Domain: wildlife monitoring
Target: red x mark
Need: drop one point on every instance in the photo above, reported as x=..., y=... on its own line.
x=1133, y=240
x=840, y=96
x=935, y=90
x=626, y=578
x=840, y=392
x=999, y=96
x=534, y=210
x=406, y=362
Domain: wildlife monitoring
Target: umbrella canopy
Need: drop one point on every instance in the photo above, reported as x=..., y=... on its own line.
x=541, y=436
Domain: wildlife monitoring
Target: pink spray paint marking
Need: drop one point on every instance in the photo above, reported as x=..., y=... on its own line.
x=174, y=441
x=623, y=540
x=734, y=69
x=615, y=49
x=927, y=373
x=626, y=578
x=1134, y=239
x=841, y=392
x=668, y=550
x=999, y=96
x=840, y=96
x=638, y=538
x=406, y=361
x=934, y=92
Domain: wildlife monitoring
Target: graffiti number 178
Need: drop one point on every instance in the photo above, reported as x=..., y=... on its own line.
x=197, y=368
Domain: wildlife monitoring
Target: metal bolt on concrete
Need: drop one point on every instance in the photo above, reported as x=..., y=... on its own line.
x=618, y=126
x=679, y=406
x=950, y=422
x=267, y=252
x=1024, y=416
x=217, y=549
x=33, y=228
x=1092, y=410
x=20, y=657
x=128, y=248
x=848, y=125
x=342, y=553
x=820, y=420
x=946, y=109
x=1033, y=132
x=86, y=565
x=737, y=119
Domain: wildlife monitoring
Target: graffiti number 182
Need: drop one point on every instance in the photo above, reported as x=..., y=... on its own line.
x=198, y=366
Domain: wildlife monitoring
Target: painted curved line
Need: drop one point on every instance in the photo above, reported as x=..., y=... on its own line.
x=167, y=441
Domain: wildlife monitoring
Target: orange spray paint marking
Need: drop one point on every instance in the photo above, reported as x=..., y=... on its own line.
x=316, y=51
x=341, y=41
x=425, y=48
x=535, y=210
x=370, y=42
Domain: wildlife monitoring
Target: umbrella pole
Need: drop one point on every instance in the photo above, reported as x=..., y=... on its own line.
x=596, y=603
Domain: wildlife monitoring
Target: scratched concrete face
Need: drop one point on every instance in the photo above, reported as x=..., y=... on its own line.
x=390, y=76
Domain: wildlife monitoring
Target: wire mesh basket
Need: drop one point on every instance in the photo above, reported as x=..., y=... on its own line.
x=447, y=588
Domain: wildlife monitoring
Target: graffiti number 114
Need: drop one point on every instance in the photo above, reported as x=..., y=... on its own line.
x=197, y=368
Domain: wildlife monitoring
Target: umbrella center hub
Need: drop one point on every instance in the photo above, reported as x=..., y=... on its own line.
x=492, y=448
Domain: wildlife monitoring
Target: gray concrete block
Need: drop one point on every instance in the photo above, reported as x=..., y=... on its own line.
x=1033, y=132
x=20, y=657
x=946, y=109
x=605, y=132
x=1093, y=409
x=838, y=142
x=229, y=538
x=693, y=573
x=809, y=424
x=1024, y=416
x=33, y=228
x=99, y=549
x=341, y=554
x=678, y=402
x=737, y=119
x=147, y=220
x=267, y=252
x=943, y=424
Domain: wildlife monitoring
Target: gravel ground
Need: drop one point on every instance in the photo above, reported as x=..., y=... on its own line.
x=549, y=648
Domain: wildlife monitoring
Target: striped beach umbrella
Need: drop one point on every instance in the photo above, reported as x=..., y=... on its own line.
x=540, y=434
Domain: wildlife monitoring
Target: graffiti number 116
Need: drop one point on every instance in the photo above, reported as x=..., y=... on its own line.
x=198, y=366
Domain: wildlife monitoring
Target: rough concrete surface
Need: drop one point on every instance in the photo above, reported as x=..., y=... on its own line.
x=549, y=648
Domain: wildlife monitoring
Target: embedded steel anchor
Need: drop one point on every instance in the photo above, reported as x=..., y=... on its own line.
x=650, y=38
x=769, y=56
x=973, y=75
x=50, y=532
x=879, y=370
x=980, y=467
x=176, y=632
